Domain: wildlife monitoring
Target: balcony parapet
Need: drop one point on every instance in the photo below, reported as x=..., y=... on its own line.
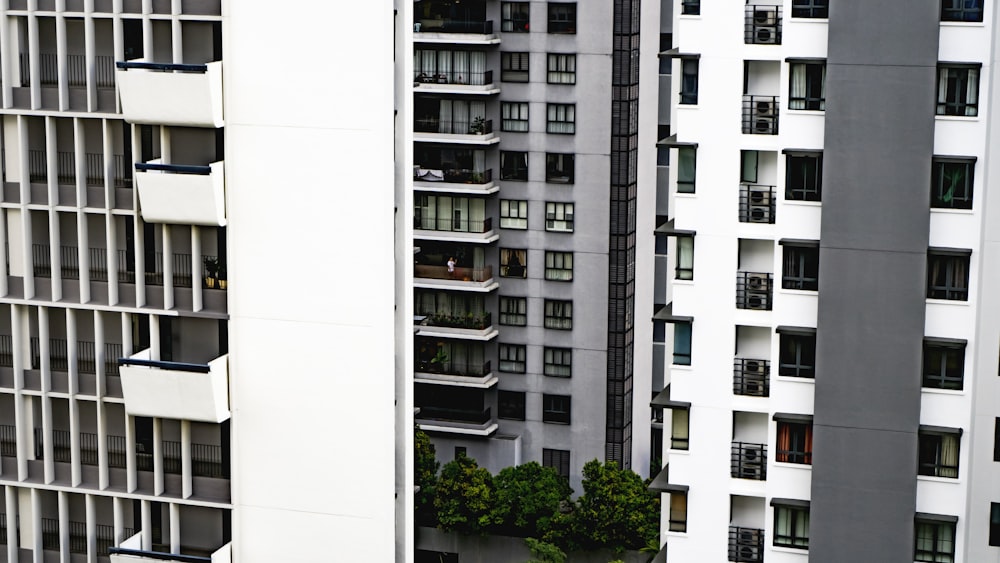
x=181, y=194
x=178, y=390
x=458, y=32
x=466, y=279
x=454, y=421
x=131, y=551
x=186, y=95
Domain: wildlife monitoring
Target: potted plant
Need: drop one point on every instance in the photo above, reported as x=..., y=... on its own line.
x=211, y=271
x=221, y=272
x=478, y=125
x=439, y=360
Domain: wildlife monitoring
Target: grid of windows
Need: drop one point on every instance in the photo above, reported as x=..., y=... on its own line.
x=961, y=10
x=558, y=362
x=559, y=168
x=559, y=266
x=558, y=314
x=510, y=405
x=810, y=8
x=514, y=16
x=935, y=541
x=951, y=183
x=958, y=90
x=807, y=86
x=791, y=526
x=938, y=452
x=797, y=355
x=513, y=214
x=514, y=165
x=800, y=267
x=512, y=358
x=514, y=116
x=513, y=311
x=794, y=442
x=514, y=67
x=556, y=459
x=948, y=276
x=803, y=176
x=561, y=119
x=562, y=17
x=561, y=68
x=559, y=217
x=944, y=364
x=513, y=263
x=556, y=408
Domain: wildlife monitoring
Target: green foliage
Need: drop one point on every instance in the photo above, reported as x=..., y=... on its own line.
x=544, y=552
x=425, y=468
x=616, y=511
x=527, y=498
x=464, y=499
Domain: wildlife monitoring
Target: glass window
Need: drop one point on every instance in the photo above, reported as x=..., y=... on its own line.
x=791, y=526
x=510, y=405
x=558, y=362
x=513, y=263
x=939, y=453
x=559, y=266
x=679, y=429
x=689, y=81
x=558, y=314
x=514, y=67
x=958, y=90
x=810, y=8
x=558, y=460
x=561, y=68
x=513, y=214
x=951, y=183
x=794, y=442
x=797, y=355
x=678, y=512
x=935, y=541
x=800, y=267
x=944, y=364
x=961, y=10
x=514, y=165
x=514, y=116
x=995, y=524
x=512, y=358
x=684, y=268
x=562, y=17
x=948, y=276
x=803, y=176
x=556, y=408
x=691, y=7
x=514, y=16
x=686, y=158
x=807, y=86
x=559, y=168
x=561, y=119
x=682, y=344
x=513, y=311
x=559, y=217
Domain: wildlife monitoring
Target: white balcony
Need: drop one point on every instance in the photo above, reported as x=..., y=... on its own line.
x=176, y=390
x=171, y=94
x=184, y=195
x=131, y=551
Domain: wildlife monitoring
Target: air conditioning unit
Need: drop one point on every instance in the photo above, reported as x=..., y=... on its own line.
x=753, y=387
x=754, y=367
x=765, y=17
x=760, y=214
x=764, y=108
x=758, y=282
x=766, y=35
x=752, y=456
x=757, y=302
x=763, y=125
x=748, y=553
x=759, y=196
x=749, y=536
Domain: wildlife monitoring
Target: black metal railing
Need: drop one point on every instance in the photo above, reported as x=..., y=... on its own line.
x=452, y=26
x=6, y=351
x=86, y=355
x=475, y=321
x=751, y=377
x=453, y=175
x=453, y=126
x=66, y=168
x=455, y=415
x=117, y=452
x=756, y=203
x=196, y=170
x=143, y=554
x=162, y=67
x=760, y=115
x=154, y=272
x=754, y=290
x=206, y=459
x=69, y=261
x=61, y=448
x=165, y=365
x=88, y=448
x=475, y=369
x=762, y=25
x=746, y=545
x=449, y=224
x=749, y=461
x=50, y=533
x=453, y=77
x=106, y=537
x=8, y=441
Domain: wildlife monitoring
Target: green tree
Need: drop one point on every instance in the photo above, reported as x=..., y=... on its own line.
x=616, y=510
x=425, y=468
x=544, y=552
x=464, y=497
x=527, y=498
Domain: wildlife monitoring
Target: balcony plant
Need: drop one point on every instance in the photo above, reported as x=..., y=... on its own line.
x=478, y=125
x=222, y=276
x=439, y=360
x=211, y=271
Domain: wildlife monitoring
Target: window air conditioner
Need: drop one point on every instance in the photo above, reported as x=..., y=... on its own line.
x=760, y=196
x=751, y=455
x=747, y=553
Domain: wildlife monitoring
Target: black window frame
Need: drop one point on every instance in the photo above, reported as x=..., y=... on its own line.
x=558, y=460
x=994, y=539
x=930, y=450
x=957, y=79
x=562, y=321
x=557, y=409
x=943, y=364
x=956, y=11
x=814, y=98
x=799, y=442
x=936, y=532
x=687, y=185
x=515, y=220
x=555, y=265
x=800, y=267
x=513, y=310
x=514, y=166
x=512, y=18
x=514, y=116
x=514, y=263
x=515, y=354
x=804, y=176
x=678, y=512
x=561, y=18
x=682, y=353
x=556, y=209
x=560, y=65
x=510, y=66
x=560, y=168
x=961, y=196
x=511, y=405
x=690, y=7
x=689, y=81
x=795, y=538
x=816, y=9
x=557, y=362
x=797, y=355
x=553, y=122
x=948, y=275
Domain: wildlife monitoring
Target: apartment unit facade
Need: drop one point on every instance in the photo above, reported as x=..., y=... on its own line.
x=179, y=271
x=527, y=153
x=830, y=243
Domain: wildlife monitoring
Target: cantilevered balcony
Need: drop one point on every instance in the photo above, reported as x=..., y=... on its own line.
x=465, y=279
x=444, y=21
x=445, y=169
x=183, y=195
x=190, y=391
x=453, y=409
x=452, y=362
x=454, y=229
x=132, y=551
x=186, y=95
x=454, y=82
x=475, y=131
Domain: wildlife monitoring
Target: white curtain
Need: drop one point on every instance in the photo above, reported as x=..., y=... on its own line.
x=479, y=161
x=972, y=92
x=477, y=67
x=685, y=258
x=444, y=64
x=949, y=456
x=460, y=71
x=445, y=116
x=561, y=118
x=798, y=86
x=476, y=110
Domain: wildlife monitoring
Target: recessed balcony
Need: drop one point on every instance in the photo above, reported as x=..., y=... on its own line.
x=455, y=229
x=748, y=461
x=754, y=290
x=433, y=129
x=131, y=551
x=189, y=391
x=750, y=377
x=183, y=195
x=455, y=372
x=453, y=180
x=469, y=326
x=465, y=279
x=762, y=25
x=757, y=204
x=457, y=421
x=454, y=82
x=185, y=95
x=760, y=115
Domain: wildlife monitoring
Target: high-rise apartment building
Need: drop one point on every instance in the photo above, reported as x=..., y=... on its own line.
x=528, y=179
x=832, y=394
x=205, y=301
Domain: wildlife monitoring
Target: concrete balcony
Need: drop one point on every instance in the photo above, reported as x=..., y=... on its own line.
x=464, y=279
x=461, y=181
x=183, y=195
x=131, y=551
x=174, y=389
x=460, y=374
x=186, y=95
x=454, y=82
x=454, y=31
x=455, y=132
x=448, y=229
x=468, y=326
x=457, y=421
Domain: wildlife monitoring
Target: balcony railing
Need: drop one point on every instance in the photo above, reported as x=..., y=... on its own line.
x=452, y=175
x=448, y=224
x=195, y=391
x=762, y=25
x=455, y=415
x=453, y=26
x=66, y=168
x=206, y=459
x=460, y=274
x=473, y=369
x=753, y=290
x=749, y=461
x=452, y=127
x=8, y=441
x=454, y=77
x=473, y=321
x=756, y=203
x=76, y=70
x=750, y=377
x=760, y=115
x=6, y=351
x=746, y=545
x=86, y=356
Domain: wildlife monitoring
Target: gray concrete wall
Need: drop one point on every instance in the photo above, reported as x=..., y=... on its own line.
x=881, y=76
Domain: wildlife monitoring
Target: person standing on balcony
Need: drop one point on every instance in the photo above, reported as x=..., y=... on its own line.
x=451, y=267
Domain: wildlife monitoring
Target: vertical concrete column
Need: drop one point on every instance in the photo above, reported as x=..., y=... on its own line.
x=157, y=456
x=186, y=477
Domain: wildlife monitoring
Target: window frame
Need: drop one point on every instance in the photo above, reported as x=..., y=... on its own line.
x=513, y=310
x=518, y=269
x=950, y=358
x=678, y=512
x=689, y=81
x=561, y=18
x=814, y=9
x=686, y=184
x=555, y=265
x=798, y=445
x=797, y=355
x=514, y=117
x=800, y=266
x=955, y=81
x=509, y=17
x=516, y=356
x=511, y=72
x=932, y=552
x=994, y=538
x=559, y=216
x=680, y=429
x=560, y=68
x=812, y=72
x=930, y=453
x=560, y=119
x=682, y=345
x=514, y=214
x=560, y=168
x=949, y=11
x=684, y=257
x=558, y=460
x=557, y=362
x=557, y=409
x=690, y=7
x=795, y=532
x=511, y=405
x=939, y=173
x=558, y=314
x=518, y=171
x=955, y=284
